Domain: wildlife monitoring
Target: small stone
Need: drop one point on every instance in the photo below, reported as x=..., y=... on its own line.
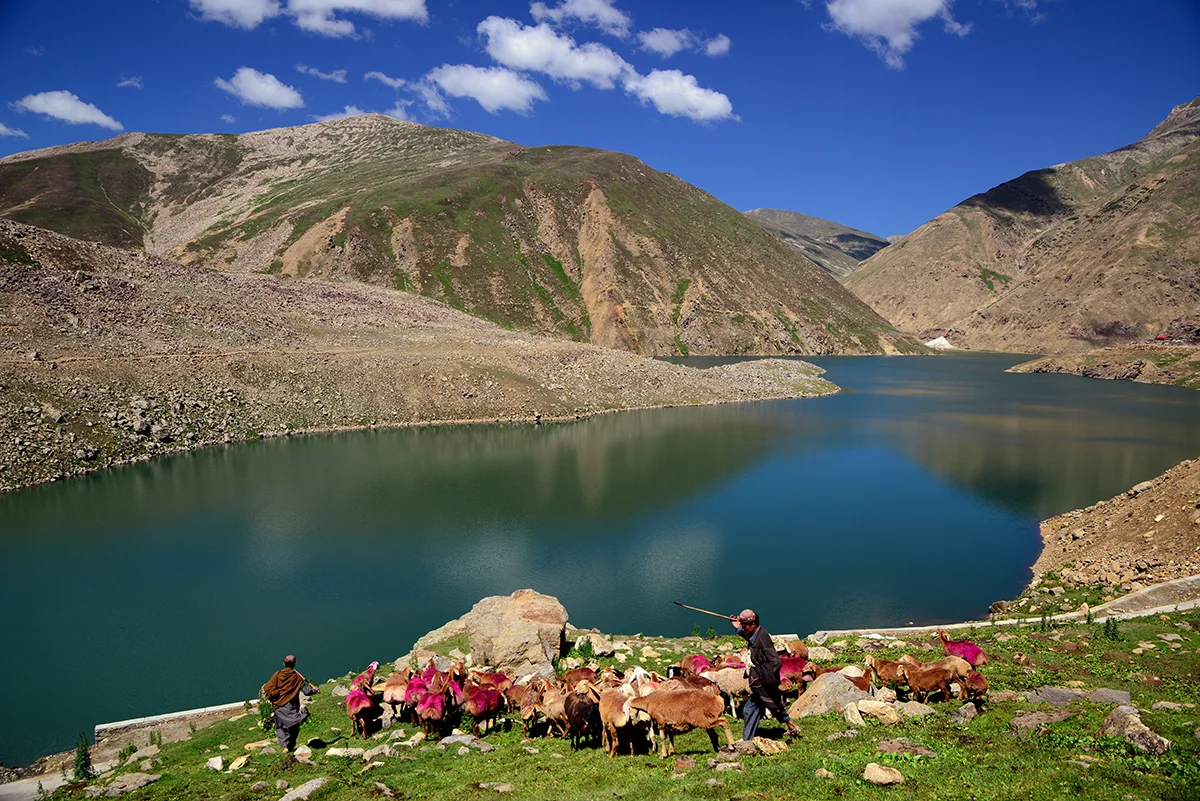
x=714, y=782
x=379, y=751
x=340, y=692
x=216, y=763
x=903, y=745
x=823, y=774
x=222, y=747
x=840, y=735
x=268, y=751
x=769, y=747
x=304, y=752
x=384, y=790
x=964, y=714
x=556, y=756
x=1126, y=722
x=499, y=787
x=255, y=746
x=685, y=763
x=239, y=763
x=914, y=709
x=852, y=715
x=531, y=750
x=722, y=766
x=281, y=784
x=351, y=753
x=1005, y=696
x=258, y=787
x=1020, y=658
x=1167, y=706
x=882, y=774
x=463, y=750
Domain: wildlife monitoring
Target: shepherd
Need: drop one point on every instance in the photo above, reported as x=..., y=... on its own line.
x=283, y=690
x=763, y=669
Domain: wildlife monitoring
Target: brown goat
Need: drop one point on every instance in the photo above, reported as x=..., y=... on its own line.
x=925, y=680
x=887, y=670
x=976, y=686
x=616, y=717
x=569, y=679
x=958, y=667
x=678, y=711
x=798, y=648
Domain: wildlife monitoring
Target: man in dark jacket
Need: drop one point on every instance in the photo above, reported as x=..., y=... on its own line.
x=283, y=690
x=763, y=669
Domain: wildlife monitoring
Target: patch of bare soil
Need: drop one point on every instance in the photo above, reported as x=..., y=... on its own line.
x=1147, y=535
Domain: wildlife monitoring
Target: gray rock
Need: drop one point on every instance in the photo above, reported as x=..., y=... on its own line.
x=216, y=763
x=519, y=633
x=302, y=792
x=463, y=750
x=729, y=766
x=351, y=753
x=829, y=693
x=914, y=709
x=1171, y=637
x=1055, y=696
x=964, y=714
x=715, y=782
x=882, y=774
x=883, y=712
x=1106, y=696
x=129, y=782
x=281, y=784
x=499, y=787
x=823, y=774
x=340, y=692
x=267, y=751
x=1166, y=706
x=379, y=751
x=817, y=653
x=903, y=745
x=841, y=735
x=258, y=787
x=601, y=645
x=745, y=748
x=1126, y=722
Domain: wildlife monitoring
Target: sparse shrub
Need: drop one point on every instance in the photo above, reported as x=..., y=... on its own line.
x=266, y=713
x=1111, y=630
x=126, y=752
x=711, y=633
x=83, y=760
x=696, y=630
x=586, y=650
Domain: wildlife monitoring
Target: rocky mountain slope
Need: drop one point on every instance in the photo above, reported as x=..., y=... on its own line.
x=1096, y=252
x=108, y=356
x=566, y=241
x=837, y=248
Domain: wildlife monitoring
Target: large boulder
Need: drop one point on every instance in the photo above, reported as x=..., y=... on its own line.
x=831, y=692
x=1126, y=722
x=519, y=633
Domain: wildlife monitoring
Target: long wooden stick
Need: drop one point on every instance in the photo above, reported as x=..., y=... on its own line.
x=705, y=611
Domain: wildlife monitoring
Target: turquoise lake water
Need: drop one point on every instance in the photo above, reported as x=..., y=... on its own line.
x=914, y=495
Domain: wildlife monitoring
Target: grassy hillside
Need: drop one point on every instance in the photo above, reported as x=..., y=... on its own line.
x=985, y=758
x=1096, y=252
x=837, y=248
x=576, y=243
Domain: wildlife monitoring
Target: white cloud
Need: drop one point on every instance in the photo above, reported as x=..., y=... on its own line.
x=246, y=14
x=337, y=76
x=494, y=88
x=319, y=16
x=680, y=95
x=400, y=110
x=228, y=118
x=601, y=13
x=717, y=46
x=254, y=88
x=540, y=49
x=435, y=104
x=667, y=42
x=133, y=83
x=395, y=83
x=65, y=106
x=889, y=27
x=348, y=111
x=6, y=131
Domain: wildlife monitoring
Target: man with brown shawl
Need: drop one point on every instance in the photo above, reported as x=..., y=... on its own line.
x=283, y=690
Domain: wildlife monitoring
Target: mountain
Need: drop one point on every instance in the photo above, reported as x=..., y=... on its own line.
x=115, y=355
x=835, y=247
x=567, y=241
x=1096, y=252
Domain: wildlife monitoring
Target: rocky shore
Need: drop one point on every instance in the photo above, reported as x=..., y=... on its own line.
x=110, y=356
x=1176, y=364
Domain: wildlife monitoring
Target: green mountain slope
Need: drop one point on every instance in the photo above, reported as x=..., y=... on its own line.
x=837, y=248
x=1094, y=252
x=568, y=241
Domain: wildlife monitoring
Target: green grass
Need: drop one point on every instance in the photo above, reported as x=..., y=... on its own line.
x=14, y=253
x=990, y=277
x=441, y=272
x=983, y=759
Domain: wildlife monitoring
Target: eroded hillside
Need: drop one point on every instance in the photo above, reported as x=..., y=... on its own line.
x=572, y=242
x=837, y=248
x=1095, y=252
x=108, y=356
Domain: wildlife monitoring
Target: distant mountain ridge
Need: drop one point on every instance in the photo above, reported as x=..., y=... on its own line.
x=1091, y=253
x=567, y=241
x=837, y=248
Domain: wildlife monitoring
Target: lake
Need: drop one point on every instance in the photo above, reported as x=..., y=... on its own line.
x=914, y=495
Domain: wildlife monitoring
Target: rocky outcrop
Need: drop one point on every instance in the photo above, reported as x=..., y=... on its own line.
x=831, y=692
x=1126, y=722
x=520, y=633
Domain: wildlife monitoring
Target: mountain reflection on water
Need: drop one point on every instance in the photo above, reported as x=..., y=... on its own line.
x=912, y=495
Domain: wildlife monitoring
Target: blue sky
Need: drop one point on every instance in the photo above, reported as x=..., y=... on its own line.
x=879, y=114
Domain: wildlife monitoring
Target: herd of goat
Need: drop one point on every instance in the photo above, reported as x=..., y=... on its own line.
x=628, y=708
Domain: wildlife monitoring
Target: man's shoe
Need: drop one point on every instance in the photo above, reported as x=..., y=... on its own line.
x=793, y=729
